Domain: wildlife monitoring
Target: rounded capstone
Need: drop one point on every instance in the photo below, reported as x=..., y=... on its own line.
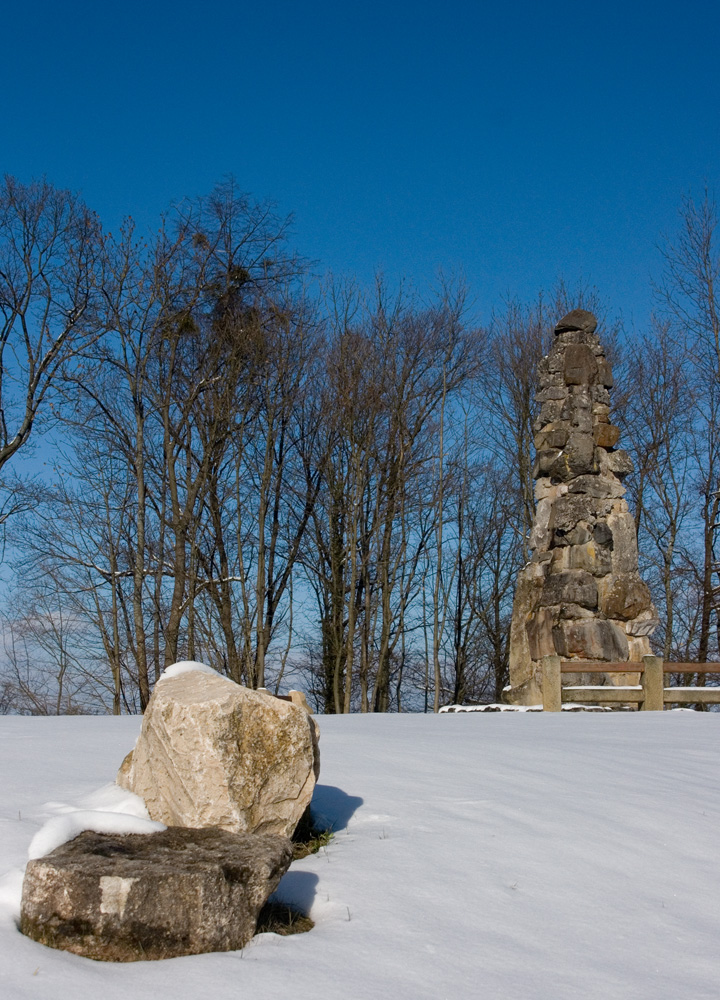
x=580, y=320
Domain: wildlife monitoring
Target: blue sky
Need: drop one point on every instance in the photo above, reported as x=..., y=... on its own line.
x=515, y=143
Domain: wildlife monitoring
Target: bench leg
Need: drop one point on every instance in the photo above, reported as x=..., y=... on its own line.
x=551, y=684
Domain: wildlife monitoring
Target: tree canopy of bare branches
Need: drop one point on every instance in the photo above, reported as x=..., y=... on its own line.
x=308, y=483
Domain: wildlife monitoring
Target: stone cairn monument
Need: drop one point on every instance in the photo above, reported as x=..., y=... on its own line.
x=580, y=596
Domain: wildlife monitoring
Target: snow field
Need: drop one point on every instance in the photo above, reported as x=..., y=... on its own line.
x=503, y=856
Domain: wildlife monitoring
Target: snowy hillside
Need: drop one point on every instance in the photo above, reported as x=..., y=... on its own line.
x=508, y=857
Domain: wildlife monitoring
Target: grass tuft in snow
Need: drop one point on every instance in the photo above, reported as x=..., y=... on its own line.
x=279, y=918
x=309, y=838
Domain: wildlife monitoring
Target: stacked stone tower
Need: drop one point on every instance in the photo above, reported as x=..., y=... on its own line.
x=581, y=595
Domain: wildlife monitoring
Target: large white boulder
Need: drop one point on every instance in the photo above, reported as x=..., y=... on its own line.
x=213, y=753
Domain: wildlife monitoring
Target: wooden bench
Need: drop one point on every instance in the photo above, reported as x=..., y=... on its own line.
x=650, y=694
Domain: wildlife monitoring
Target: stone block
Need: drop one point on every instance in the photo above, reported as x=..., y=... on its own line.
x=624, y=596
x=642, y=626
x=527, y=691
x=597, y=486
x=548, y=379
x=581, y=453
x=591, y=557
x=573, y=508
x=553, y=435
x=527, y=593
x=600, y=395
x=555, y=363
x=544, y=489
x=567, y=410
x=583, y=421
x=542, y=526
x=539, y=541
x=142, y=897
x=539, y=631
x=625, y=551
x=601, y=412
x=560, y=557
x=639, y=646
x=551, y=410
x=545, y=461
x=558, y=467
x=620, y=463
x=602, y=535
x=570, y=612
x=551, y=392
x=570, y=587
x=604, y=374
x=581, y=398
x=580, y=368
x=590, y=639
x=577, y=337
x=577, y=458
x=580, y=534
x=606, y=435
x=541, y=556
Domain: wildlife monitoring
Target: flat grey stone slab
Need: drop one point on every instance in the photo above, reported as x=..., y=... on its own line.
x=149, y=896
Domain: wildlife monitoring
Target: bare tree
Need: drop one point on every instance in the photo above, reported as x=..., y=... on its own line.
x=657, y=414
x=689, y=291
x=393, y=369
x=151, y=415
x=51, y=665
x=49, y=245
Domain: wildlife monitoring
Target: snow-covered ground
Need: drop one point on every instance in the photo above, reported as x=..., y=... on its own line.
x=494, y=856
